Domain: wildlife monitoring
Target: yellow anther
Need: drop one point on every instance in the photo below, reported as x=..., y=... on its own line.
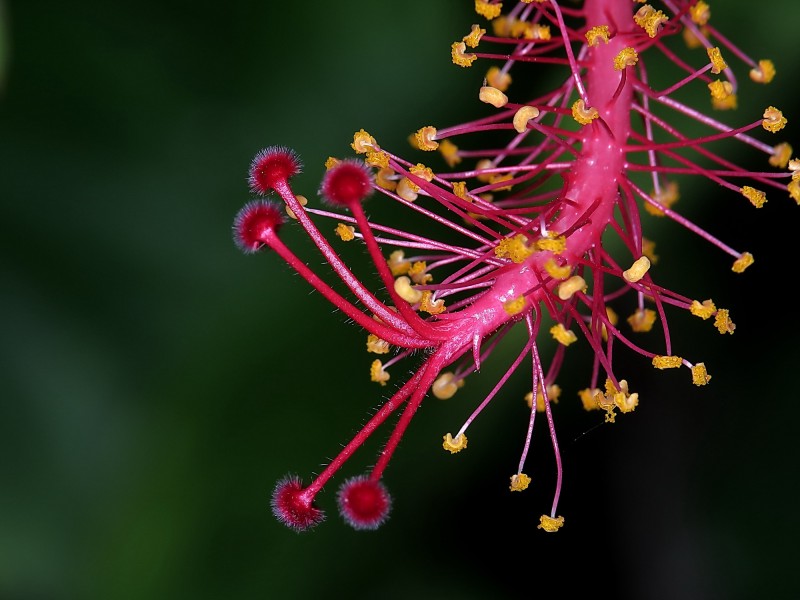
x=553, y=394
x=718, y=63
x=757, y=197
x=454, y=444
x=449, y=152
x=398, y=264
x=550, y=524
x=460, y=190
x=648, y=249
x=496, y=178
x=376, y=345
x=363, y=142
x=501, y=26
x=331, y=162
x=622, y=398
x=536, y=31
x=497, y=78
x=377, y=373
x=481, y=165
x=302, y=200
x=642, y=320
x=493, y=96
x=700, y=13
x=597, y=34
x=404, y=289
x=385, y=178
x=446, y=385
x=555, y=271
x=729, y=102
x=583, y=115
x=556, y=244
x=487, y=9
x=703, y=310
x=741, y=263
x=723, y=323
x=781, y=154
x=377, y=159
x=666, y=197
x=567, y=289
x=426, y=138
x=794, y=167
x=523, y=115
x=690, y=39
x=407, y=189
x=519, y=482
x=650, y=19
x=794, y=190
x=588, y=398
x=474, y=36
x=699, y=374
x=458, y=52
x=514, y=306
x=773, y=119
x=515, y=248
x=627, y=57
x=637, y=270
x=421, y=171
x=432, y=307
x=720, y=90
x=764, y=72
x=562, y=335
x=667, y=362
x=612, y=318
x=345, y=233
x=418, y=272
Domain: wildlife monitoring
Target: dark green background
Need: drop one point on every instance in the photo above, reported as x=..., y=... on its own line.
x=155, y=383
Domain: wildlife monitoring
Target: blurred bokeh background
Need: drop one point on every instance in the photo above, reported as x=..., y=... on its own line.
x=155, y=383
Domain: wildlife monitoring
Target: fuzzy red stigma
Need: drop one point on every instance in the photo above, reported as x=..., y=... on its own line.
x=254, y=222
x=364, y=503
x=293, y=507
x=346, y=183
x=271, y=166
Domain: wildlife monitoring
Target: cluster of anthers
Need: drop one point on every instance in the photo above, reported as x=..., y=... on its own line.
x=528, y=221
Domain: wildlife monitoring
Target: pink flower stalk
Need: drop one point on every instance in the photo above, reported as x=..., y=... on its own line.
x=541, y=228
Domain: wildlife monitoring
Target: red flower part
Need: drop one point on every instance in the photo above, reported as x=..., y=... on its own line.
x=545, y=223
x=293, y=505
x=255, y=223
x=347, y=183
x=272, y=166
x=364, y=503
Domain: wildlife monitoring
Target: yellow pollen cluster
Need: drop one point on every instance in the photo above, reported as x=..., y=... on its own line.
x=474, y=36
x=667, y=362
x=699, y=374
x=583, y=115
x=519, y=482
x=493, y=96
x=588, y=398
x=377, y=372
x=363, y=142
x=703, y=310
x=597, y=34
x=756, y=197
x=449, y=152
x=556, y=244
x=764, y=72
x=432, y=307
x=700, y=13
x=377, y=159
x=729, y=102
x=537, y=31
x=386, y=178
x=781, y=154
x=460, y=190
x=612, y=318
x=345, y=233
x=515, y=249
x=562, y=335
x=397, y=263
x=627, y=57
x=404, y=289
x=642, y=320
x=407, y=189
x=666, y=196
x=458, y=52
x=555, y=271
x=331, y=162
x=514, y=306
x=720, y=90
x=650, y=19
x=426, y=138
x=723, y=322
x=376, y=345
x=616, y=398
x=553, y=394
x=794, y=190
x=718, y=64
x=550, y=524
x=446, y=385
x=567, y=289
x=523, y=115
x=773, y=120
x=741, y=263
x=498, y=78
x=637, y=270
x=422, y=172
x=487, y=9
x=418, y=271
x=454, y=445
